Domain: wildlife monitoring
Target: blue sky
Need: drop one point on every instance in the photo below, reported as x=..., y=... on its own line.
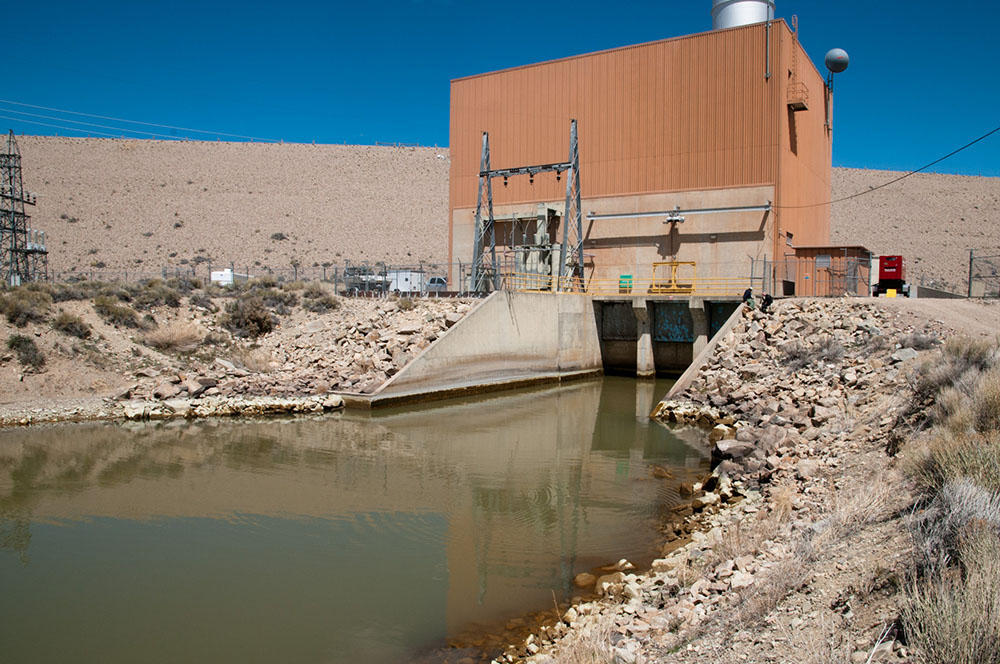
x=922, y=79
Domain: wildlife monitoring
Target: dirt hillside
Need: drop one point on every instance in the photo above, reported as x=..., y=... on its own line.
x=141, y=205
x=931, y=219
x=112, y=205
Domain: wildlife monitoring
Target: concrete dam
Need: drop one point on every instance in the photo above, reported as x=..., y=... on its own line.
x=514, y=339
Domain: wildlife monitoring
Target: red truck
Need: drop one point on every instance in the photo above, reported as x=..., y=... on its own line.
x=891, y=275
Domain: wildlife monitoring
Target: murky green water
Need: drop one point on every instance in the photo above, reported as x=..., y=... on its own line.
x=349, y=538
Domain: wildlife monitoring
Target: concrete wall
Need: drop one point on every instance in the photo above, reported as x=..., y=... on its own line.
x=507, y=338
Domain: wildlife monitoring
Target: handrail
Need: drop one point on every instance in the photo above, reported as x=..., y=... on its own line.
x=625, y=284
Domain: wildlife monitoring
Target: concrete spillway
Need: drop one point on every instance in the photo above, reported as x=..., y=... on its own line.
x=517, y=339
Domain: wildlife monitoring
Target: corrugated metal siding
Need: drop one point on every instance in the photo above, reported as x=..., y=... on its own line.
x=688, y=113
x=805, y=155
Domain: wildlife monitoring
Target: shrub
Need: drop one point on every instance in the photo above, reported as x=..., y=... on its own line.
x=202, y=300
x=955, y=618
x=316, y=299
x=313, y=290
x=114, y=313
x=263, y=281
x=27, y=352
x=183, y=284
x=22, y=306
x=252, y=359
x=918, y=341
x=71, y=325
x=406, y=304
x=248, y=317
x=155, y=293
x=179, y=336
x=798, y=355
x=322, y=304
x=294, y=285
x=950, y=457
x=986, y=402
x=77, y=291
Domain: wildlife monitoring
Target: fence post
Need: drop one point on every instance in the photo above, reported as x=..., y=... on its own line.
x=971, y=251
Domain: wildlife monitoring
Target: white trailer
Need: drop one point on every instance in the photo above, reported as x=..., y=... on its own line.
x=405, y=282
x=227, y=277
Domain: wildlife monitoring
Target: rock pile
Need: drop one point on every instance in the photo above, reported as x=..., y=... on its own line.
x=784, y=400
x=355, y=349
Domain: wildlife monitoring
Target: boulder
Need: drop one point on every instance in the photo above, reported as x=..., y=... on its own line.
x=806, y=469
x=584, y=580
x=193, y=387
x=166, y=390
x=904, y=355
x=731, y=449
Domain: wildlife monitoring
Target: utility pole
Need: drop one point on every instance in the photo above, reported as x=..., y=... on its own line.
x=23, y=256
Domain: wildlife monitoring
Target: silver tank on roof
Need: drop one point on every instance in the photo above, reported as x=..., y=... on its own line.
x=733, y=13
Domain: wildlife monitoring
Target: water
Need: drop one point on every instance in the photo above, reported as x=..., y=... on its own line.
x=346, y=538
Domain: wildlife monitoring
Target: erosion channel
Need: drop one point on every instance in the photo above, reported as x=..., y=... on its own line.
x=342, y=538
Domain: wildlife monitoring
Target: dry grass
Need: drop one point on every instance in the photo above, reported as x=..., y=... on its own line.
x=986, y=402
x=954, y=617
x=178, y=336
x=918, y=341
x=113, y=313
x=252, y=359
x=72, y=325
x=799, y=355
x=952, y=614
x=27, y=352
x=767, y=591
x=25, y=305
x=590, y=645
x=945, y=456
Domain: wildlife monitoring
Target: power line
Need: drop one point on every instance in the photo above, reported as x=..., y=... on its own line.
x=88, y=124
x=138, y=122
x=901, y=177
x=64, y=128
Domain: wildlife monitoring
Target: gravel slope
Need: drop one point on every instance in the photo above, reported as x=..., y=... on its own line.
x=141, y=205
x=931, y=219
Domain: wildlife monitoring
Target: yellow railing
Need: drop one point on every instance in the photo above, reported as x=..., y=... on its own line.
x=668, y=278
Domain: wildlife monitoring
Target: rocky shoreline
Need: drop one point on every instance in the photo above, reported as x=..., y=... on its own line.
x=799, y=407
x=190, y=365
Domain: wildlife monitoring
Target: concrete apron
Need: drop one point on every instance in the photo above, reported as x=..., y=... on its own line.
x=509, y=340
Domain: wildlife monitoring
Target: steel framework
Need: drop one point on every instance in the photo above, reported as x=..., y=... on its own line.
x=23, y=256
x=485, y=276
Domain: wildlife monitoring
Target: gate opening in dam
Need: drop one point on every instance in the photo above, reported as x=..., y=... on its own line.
x=646, y=336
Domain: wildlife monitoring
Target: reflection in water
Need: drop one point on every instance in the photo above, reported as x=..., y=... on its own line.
x=359, y=538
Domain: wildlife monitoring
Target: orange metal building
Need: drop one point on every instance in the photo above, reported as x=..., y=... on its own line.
x=721, y=119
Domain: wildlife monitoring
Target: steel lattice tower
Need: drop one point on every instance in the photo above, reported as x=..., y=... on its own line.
x=23, y=256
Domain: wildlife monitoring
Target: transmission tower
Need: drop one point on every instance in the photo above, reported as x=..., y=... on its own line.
x=23, y=256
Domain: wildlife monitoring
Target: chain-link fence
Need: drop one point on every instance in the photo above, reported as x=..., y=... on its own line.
x=362, y=278
x=823, y=275
x=984, y=273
